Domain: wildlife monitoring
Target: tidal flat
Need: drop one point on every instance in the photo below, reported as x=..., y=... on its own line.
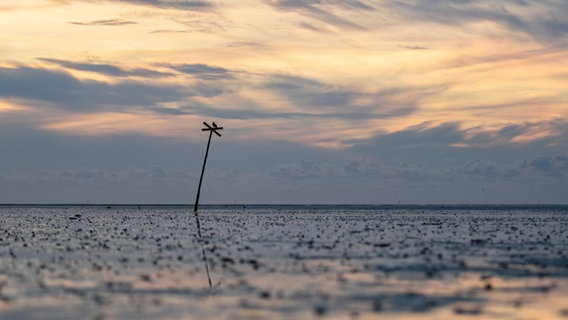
x=284, y=262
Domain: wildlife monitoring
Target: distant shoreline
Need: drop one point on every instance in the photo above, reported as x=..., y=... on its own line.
x=298, y=206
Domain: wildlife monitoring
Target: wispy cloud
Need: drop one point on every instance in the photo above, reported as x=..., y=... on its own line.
x=62, y=90
x=310, y=94
x=107, y=69
x=552, y=166
x=202, y=71
x=169, y=31
x=107, y=22
x=544, y=21
x=173, y=4
x=452, y=134
x=324, y=10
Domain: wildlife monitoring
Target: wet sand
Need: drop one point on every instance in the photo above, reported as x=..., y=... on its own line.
x=284, y=263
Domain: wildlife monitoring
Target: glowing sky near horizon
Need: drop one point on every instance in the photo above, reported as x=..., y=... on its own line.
x=325, y=74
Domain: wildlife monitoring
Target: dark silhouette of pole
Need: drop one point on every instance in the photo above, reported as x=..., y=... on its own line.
x=202, y=171
x=211, y=130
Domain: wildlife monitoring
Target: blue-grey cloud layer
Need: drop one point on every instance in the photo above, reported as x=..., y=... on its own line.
x=107, y=69
x=65, y=91
x=383, y=170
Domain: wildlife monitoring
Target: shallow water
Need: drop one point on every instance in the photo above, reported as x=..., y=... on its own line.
x=284, y=262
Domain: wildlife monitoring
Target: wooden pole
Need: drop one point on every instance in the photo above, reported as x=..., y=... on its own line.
x=211, y=130
x=202, y=171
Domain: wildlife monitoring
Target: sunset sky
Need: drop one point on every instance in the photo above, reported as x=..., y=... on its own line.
x=322, y=101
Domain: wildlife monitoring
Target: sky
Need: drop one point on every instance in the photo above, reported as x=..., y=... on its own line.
x=322, y=101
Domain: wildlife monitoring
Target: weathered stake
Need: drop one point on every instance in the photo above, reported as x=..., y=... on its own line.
x=211, y=130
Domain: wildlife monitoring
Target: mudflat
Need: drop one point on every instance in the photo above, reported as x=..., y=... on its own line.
x=283, y=262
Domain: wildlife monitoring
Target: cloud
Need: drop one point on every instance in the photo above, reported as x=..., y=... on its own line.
x=191, y=5
x=315, y=100
x=424, y=135
x=418, y=173
x=551, y=166
x=414, y=47
x=488, y=169
x=310, y=94
x=202, y=71
x=201, y=25
x=173, y=4
x=107, y=69
x=169, y=31
x=65, y=91
x=454, y=135
x=108, y=22
x=315, y=4
x=324, y=10
x=407, y=172
x=157, y=169
x=171, y=111
x=164, y=4
x=313, y=27
x=305, y=169
x=203, y=89
x=554, y=167
x=361, y=168
x=449, y=152
x=154, y=184
x=545, y=21
x=27, y=148
x=245, y=114
x=153, y=173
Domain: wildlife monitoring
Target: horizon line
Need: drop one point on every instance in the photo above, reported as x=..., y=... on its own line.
x=277, y=204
